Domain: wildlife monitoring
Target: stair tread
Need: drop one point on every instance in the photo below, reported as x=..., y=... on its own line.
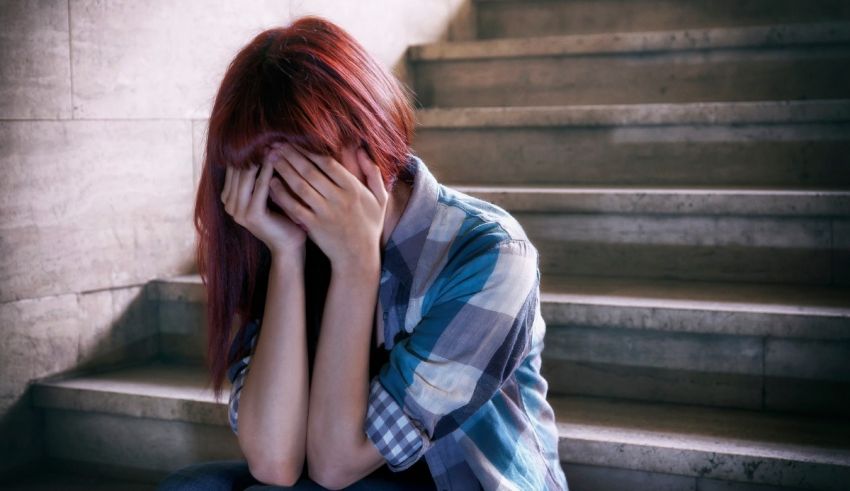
x=736, y=308
x=789, y=34
x=640, y=114
x=711, y=295
x=716, y=430
x=672, y=189
x=699, y=295
x=672, y=199
x=663, y=426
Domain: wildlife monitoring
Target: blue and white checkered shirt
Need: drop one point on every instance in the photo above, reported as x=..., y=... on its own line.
x=459, y=297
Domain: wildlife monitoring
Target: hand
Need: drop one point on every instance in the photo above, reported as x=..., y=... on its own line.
x=245, y=197
x=342, y=215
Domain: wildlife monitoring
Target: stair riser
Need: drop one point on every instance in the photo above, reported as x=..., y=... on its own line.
x=750, y=372
x=692, y=247
x=181, y=330
x=707, y=471
x=149, y=447
x=520, y=18
x=771, y=155
x=697, y=76
x=655, y=353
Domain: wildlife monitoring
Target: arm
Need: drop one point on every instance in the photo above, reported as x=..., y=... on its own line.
x=271, y=394
x=475, y=330
x=338, y=451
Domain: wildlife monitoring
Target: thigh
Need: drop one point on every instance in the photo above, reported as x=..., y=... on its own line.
x=211, y=475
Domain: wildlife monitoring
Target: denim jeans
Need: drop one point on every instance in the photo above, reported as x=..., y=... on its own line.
x=233, y=475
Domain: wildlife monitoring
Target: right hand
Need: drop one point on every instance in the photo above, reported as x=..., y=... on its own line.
x=245, y=196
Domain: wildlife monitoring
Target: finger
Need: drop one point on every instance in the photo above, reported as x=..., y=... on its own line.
x=302, y=187
x=230, y=205
x=333, y=169
x=245, y=187
x=261, y=188
x=300, y=168
x=228, y=176
x=308, y=170
x=373, y=176
x=295, y=210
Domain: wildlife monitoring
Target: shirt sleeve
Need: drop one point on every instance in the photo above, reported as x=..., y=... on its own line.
x=238, y=370
x=466, y=345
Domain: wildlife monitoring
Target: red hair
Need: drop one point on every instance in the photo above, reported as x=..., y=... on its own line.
x=310, y=83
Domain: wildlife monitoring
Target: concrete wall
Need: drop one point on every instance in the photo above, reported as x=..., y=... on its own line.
x=102, y=113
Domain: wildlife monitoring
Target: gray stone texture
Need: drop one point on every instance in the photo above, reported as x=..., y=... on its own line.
x=509, y=19
x=35, y=60
x=604, y=442
x=93, y=204
x=744, y=64
x=754, y=145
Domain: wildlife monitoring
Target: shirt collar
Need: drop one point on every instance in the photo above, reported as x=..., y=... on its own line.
x=401, y=253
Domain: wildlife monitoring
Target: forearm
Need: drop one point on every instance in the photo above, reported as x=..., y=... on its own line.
x=273, y=402
x=340, y=386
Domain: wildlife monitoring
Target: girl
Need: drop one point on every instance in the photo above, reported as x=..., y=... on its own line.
x=388, y=328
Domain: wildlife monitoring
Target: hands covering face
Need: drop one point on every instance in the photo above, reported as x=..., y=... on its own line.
x=343, y=215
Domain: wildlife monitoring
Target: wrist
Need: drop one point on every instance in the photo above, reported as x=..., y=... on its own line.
x=365, y=265
x=289, y=259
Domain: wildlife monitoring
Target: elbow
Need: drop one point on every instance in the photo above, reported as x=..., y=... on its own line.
x=275, y=472
x=329, y=478
x=273, y=468
x=327, y=467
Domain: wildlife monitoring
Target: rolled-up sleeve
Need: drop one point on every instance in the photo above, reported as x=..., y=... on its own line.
x=474, y=332
x=238, y=370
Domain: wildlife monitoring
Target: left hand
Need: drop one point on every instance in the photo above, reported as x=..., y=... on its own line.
x=341, y=214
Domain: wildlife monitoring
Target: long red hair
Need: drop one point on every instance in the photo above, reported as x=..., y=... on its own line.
x=310, y=83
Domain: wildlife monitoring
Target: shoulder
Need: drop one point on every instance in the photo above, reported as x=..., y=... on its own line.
x=484, y=246
x=478, y=226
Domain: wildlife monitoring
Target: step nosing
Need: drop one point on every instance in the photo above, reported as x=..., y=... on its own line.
x=636, y=201
x=168, y=392
x=555, y=298
x=751, y=448
x=699, y=39
x=640, y=114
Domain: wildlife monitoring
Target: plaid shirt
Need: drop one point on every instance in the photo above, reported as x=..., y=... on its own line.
x=459, y=307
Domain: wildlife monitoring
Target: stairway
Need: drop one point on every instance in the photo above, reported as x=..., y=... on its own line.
x=684, y=169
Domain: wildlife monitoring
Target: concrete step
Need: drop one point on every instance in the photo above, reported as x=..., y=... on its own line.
x=741, y=345
x=793, y=61
x=158, y=417
x=530, y=18
x=665, y=200
x=610, y=444
x=762, y=347
x=799, y=144
x=138, y=422
x=751, y=235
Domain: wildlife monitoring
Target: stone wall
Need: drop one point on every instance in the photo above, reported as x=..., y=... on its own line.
x=103, y=108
